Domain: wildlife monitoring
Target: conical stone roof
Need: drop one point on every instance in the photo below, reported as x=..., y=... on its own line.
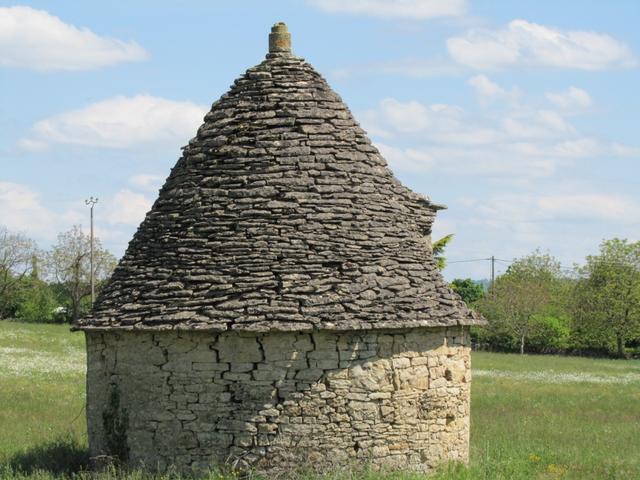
x=280, y=215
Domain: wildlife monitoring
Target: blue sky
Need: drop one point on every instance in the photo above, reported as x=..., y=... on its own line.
x=522, y=117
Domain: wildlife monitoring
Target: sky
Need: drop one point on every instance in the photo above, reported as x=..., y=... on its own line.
x=521, y=117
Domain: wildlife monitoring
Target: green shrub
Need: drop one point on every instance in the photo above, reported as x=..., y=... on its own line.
x=550, y=334
x=589, y=339
x=37, y=303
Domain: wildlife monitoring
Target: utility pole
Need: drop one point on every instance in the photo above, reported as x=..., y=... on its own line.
x=91, y=202
x=493, y=270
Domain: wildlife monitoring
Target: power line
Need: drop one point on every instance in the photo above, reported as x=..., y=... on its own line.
x=571, y=269
x=471, y=260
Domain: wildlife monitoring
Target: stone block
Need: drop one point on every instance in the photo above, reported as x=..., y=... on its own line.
x=279, y=346
x=324, y=364
x=210, y=367
x=401, y=362
x=234, y=348
x=266, y=372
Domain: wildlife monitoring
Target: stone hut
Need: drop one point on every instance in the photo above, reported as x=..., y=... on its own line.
x=279, y=305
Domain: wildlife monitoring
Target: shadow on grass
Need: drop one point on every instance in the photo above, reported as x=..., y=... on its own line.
x=62, y=456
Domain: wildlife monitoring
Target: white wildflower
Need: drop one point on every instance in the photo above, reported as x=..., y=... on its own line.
x=550, y=376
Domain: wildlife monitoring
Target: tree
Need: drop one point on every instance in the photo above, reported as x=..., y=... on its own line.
x=438, y=250
x=69, y=263
x=468, y=290
x=38, y=301
x=607, y=296
x=522, y=294
x=16, y=256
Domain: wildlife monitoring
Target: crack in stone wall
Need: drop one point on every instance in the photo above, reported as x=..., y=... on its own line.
x=275, y=401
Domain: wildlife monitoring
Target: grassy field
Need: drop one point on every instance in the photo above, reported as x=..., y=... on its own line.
x=533, y=417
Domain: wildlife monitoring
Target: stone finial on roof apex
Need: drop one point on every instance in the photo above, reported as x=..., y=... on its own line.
x=279, y=39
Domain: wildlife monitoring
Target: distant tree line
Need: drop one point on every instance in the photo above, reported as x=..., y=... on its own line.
x=537, y=306
x=53, y=285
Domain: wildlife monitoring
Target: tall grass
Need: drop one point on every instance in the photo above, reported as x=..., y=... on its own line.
x=533, y=417
x=42, y=386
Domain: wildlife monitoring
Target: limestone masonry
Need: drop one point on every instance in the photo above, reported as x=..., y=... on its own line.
x=285, y=399
x=279, y=306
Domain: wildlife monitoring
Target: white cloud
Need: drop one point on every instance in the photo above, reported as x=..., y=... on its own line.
x=485, y=87
x=146, y=181
x=409, y=9
x=525, y=43
x=488, y=160
x=569, y=218
x=525, y=124
x=590, y=206
x=513, y=208
x=487, y=90
x=443, y=227
x=444, y=138
x=36, y=40
x=573, y=98
x=392, y=117
x=121, y=122
x=114, y=239
x=516, y=141
x=580, y=148
x=572, y=222
x=406, y=159
x=468, y=135
x=32, y=145
x=620, y=150
x=128, y=208
x=405, y=117
x=574, y=148
x=21, y=210
x=460, y=160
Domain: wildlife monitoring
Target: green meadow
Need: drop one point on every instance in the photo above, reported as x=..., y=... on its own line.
x=533, y=417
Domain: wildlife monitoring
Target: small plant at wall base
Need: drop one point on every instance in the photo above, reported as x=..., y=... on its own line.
x=115, y=421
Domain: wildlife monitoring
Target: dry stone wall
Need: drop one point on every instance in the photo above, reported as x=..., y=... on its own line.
x=280, y=400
